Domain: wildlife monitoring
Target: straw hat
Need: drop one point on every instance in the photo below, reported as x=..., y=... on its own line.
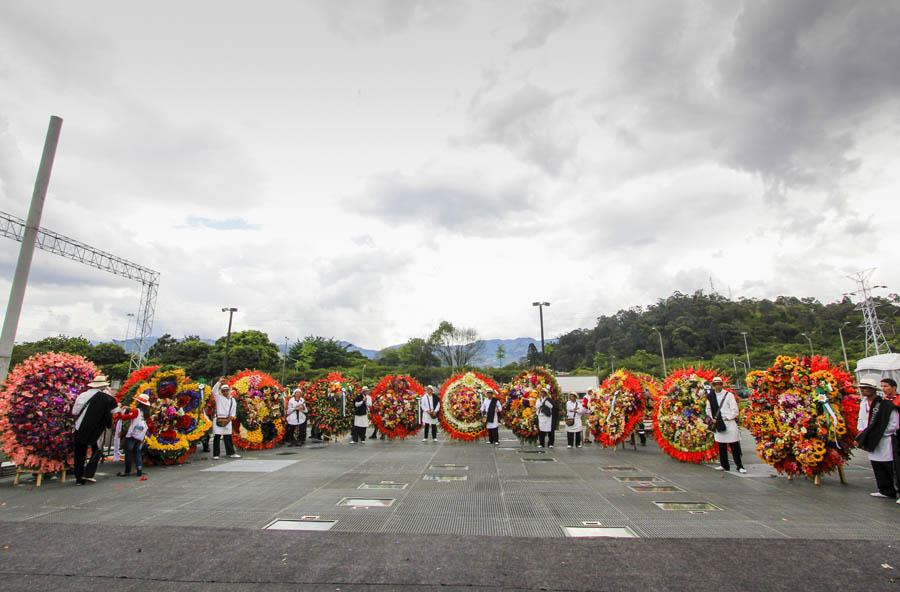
x=99, y=381
x=143, y=399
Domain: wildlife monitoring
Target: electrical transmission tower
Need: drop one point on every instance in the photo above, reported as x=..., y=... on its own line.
x=874, y=335
x=53, y=242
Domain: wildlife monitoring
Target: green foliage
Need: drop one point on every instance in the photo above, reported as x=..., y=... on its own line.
x=62, y=344
x=314, y=353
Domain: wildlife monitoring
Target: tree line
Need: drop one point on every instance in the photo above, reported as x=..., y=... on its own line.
x=695, y=328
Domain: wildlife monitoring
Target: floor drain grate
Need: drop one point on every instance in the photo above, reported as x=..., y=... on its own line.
x=445, y=478
x=451, y=466
x=319, y=525
x=638, y=479
x=384, y=485
x=655, y=488
x=687, y=506
x=530, y=451
x=619, y=469
x=358, y=502
x=538, y=460
x=615, y=532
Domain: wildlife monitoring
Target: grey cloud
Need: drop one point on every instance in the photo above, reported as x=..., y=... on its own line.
x=463, y=206
x=364, y=240
x=371, y=19
x=526, y=122
x=219, y=224
x=358, y=281
x=544, y=19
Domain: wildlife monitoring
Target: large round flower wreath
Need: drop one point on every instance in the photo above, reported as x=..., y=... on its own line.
x=36, y=420
x=461, y=398
x=260, y=410
x=616, y=408
x=679, y=416
x=395, y=406
x=177, y=419
x=521, y=394
x=330, y=401
x=802, y=413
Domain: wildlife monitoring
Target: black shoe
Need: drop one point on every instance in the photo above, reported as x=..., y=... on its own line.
x=382, y=437
x=140, y=472
x=123, y=474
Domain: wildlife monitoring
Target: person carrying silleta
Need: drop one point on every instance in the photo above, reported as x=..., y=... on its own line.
x=296, y=418
x=722, y=408
x=878, y=423
x=430, y=406
x=134, y=436
x=544, y=407
x=93, y=411
x=361, y=404
x=226, y=413
x=574, y=411
x=491, y=409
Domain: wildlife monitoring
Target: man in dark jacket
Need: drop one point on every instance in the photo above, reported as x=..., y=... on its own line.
x=93, y=411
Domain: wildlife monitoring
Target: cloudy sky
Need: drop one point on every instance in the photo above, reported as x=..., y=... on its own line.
x=365, y=168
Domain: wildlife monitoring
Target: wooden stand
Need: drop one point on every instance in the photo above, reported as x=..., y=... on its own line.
x=843, y=477
x=40, y=475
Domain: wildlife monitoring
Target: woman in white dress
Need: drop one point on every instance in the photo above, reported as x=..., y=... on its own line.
x=574, y=411
x=226, y=412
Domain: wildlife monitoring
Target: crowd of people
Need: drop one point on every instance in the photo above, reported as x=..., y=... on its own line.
x=93, y=410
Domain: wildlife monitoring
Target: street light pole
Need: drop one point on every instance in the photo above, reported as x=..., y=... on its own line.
x=811, y=354
x=541, y=306
x=844, y=347
x=662, y=352
x=284, y=361
x=129, y=315
x=230, y=312
x=746, y=349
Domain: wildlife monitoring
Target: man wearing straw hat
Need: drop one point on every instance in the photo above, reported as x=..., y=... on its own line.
x=877, y=424
x=93, y=412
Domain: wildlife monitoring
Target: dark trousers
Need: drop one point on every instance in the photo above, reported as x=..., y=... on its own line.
x=884, y=477
x=134, y=456
x=82, y=470
x=433, y=427
x=548, y=437
x=296, y=434
x=573, y=438
x=358, y=434
x=642, y=433
x=229, y=444
x=205, y=441
x=374, y=431
x=493, y=435
x=735, y=452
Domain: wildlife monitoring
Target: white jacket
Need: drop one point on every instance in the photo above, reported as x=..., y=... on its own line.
x=362, y=421
x=883, y=452
x=296, y=411
x=574, y=410
x=484, y=409
x=225, y=407
x=729, y=411
x=425, y=405
x=545, y=422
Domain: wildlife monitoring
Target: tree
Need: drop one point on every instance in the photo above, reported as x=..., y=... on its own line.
x=104, y=354
x=500, y=354
x=455, y=347
x=318, y=352
x=417, y=352
x=247, y=349
x=162, y=346
x=533, y=357
x=61, y=343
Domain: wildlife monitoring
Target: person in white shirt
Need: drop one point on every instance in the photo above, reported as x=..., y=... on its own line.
x=544, y=409
x=877, y=424
x=430, y=407
x=722, y=408
x=226, y=413
x=491, y=409
x=296, y=418
x=574, y=411
x=361, y=404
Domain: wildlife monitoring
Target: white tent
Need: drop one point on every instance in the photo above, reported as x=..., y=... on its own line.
x=577, y=384
x=878, y=367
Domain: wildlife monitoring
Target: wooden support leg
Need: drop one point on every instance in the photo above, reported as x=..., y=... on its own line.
x=842, y=475
x=62, y=478
x=790, y=477
x=818, y=480
x=18, y=473
x=40, y=478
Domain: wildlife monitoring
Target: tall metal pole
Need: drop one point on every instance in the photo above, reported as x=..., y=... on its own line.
x=284, y=361
x=844, y=347
x=230, y=312
x=746, y=349
x=662, y=352
x=130, y=316
x=26, y=252
x=811, y=354
x=541, y=306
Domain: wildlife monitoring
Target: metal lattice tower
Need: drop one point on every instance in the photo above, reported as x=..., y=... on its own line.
x=53, y=242
x=874, y=335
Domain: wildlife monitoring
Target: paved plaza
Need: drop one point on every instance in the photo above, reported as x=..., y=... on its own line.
x=460, y=497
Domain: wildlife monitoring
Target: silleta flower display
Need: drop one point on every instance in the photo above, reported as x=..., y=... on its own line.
x=461, y=398
x=802, y=413
x=177, y=418
x=36, y=420
x=395, y=406
x=520, y=394
x=330, y=401
x=679, y=416
x=260, y=410
x=616, y=408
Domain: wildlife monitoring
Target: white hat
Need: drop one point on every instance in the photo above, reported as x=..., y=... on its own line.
x=717, y=379
x=867, y=383
x=99, y=381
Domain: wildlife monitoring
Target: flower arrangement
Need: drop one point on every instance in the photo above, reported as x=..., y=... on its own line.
x=395, y=406
x=260, y=410
x=679, y=417
x=521, y=394
x=802, y=412
x=461, y=398
x=36, y=420
x=616, y=408
x=177, y=419
x=330, y=401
